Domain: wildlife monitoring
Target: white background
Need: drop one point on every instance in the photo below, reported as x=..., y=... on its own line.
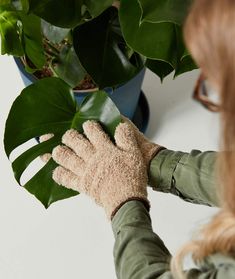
x=73, y=239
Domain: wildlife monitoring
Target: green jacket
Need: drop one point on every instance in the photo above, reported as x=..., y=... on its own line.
x=138, y=252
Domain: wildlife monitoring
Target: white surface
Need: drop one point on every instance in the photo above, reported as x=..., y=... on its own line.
x=72, y=239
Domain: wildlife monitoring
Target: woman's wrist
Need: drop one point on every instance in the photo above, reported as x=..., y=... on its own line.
x=154, y=153
x=145, y=202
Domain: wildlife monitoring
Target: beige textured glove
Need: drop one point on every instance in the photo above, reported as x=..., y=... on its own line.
x=148, y=149
x=111, y=174
x=47, y=156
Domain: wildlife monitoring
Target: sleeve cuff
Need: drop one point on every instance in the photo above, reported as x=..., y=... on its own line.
x=162, y=168
x=131, y=214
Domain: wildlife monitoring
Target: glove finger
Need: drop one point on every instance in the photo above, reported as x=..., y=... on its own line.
x=45, y=137
x=65, y=157
x=66, y=178
x=78, y=143
x=96, y=135
x=125, y=137
x=140, y=137
x=47, y=156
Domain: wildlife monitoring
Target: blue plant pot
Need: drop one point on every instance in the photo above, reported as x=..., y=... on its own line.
x=125, y=97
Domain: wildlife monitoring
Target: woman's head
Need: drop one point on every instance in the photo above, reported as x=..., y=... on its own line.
x=209, y=33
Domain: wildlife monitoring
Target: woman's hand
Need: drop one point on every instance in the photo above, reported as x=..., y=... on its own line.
x=109, y=173
x=148, y=149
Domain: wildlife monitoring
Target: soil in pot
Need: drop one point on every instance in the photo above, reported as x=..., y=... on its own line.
x=86, y=84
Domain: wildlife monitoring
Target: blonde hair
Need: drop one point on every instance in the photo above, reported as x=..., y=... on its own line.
x=209, y=32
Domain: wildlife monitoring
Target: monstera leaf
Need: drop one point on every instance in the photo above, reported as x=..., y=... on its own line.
x=53, y=33
x=68, y=67
x=48, y=106
x=154, y=33
x=173, y=11
x=32, y=42
x=67, y=14
x=160, y=68
x=9, y=31
x=21, y=36
x=101, y=50
x=61, y=13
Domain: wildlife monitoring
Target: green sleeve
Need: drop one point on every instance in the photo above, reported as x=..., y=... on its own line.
x=139, y=253
x=191, y=176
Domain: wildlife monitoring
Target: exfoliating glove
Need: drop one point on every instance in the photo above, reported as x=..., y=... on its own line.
x=111, y=174
x=148, y=149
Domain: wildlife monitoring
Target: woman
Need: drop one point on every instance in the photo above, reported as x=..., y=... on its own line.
x=115, y=175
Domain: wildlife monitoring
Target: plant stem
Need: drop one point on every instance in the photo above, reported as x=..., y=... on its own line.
x=51, y=53
x=52, y=47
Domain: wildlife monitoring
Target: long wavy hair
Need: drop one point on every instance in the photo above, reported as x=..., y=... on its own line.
x=209, y=33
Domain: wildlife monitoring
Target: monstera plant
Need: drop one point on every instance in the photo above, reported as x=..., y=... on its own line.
x=82, y=44
x=99, y=41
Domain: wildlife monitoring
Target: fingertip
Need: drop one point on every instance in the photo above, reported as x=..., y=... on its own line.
x=124, y=128
x=45, y=137
x=65, y=178
x=125, y=137
x=90, y=125
x=58, y=151
x=45, y=157
x=57, y=175
x=69, y=135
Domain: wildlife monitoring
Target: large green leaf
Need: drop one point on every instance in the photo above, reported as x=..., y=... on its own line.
x=53, y=33
x=185, y=64
x=21, y=36
x=161, y=68
x=23, y=161
x=101, y=108
x=48, y=106
x=66, y=13
x=10, y=32
x=32, y=41
x=68, y=67
x=62, y=13
x=173, y=11
x=5, y=2
x=153, y=40
x=102, y=50
x=160, y=40
x=44, y=188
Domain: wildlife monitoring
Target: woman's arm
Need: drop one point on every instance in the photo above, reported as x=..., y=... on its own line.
x=140, y=254
x=191, y=176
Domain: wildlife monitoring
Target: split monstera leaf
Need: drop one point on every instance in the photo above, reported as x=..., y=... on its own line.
x=48, y=106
